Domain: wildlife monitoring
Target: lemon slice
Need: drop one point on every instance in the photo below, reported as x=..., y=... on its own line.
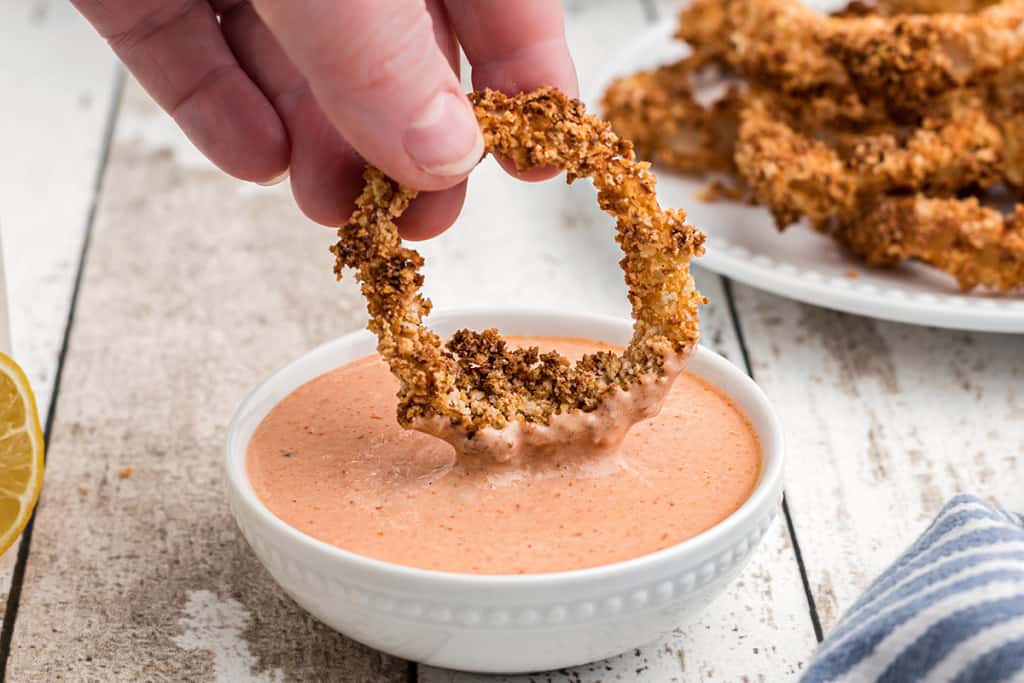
x=21, y=452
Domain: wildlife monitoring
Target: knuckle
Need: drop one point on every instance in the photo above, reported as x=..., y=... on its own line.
x=141, y=28
x=202, y=85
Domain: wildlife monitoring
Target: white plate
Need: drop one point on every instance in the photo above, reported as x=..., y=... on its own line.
x=801, y=264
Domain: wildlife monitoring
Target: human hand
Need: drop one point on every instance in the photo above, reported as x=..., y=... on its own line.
x=314, y=87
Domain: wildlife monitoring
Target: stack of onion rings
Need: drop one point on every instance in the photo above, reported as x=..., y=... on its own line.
x=871, y=125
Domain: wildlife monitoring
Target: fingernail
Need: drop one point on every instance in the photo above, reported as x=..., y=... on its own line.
x=275, y=181
x=445, y=139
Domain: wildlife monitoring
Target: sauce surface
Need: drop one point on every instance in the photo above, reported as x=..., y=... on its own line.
x=331, y=460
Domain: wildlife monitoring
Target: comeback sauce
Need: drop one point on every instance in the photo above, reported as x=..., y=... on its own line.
x=331, y=461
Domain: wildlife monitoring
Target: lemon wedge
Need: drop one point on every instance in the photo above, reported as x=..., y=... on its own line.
x=21, y=452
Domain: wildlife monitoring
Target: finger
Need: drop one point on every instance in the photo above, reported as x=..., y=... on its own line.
x=381, y=79
x=444, y=33
x=327, y=176
x=431, y=213
x=530, y=175
x=177, y=53
x=326, y=172
x=514, y=47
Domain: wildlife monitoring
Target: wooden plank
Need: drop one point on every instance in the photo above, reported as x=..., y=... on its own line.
x=195, y=287
x=56, y=106
x=5, y=316
x=760, y=628
x=884, y=423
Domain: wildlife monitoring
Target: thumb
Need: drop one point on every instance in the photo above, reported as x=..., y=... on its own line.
x=377, y=72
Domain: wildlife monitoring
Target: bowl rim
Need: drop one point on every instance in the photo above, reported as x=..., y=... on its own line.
x=764, y=497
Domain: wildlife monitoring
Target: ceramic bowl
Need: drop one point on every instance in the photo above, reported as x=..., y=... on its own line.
x=510, y=623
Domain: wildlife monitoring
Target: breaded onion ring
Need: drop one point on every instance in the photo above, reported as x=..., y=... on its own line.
x=902, y=60
x=794, y=174
x=975, y=244
x=658, y=112
x=872, y=127
x=476, y=381
x=891, y=7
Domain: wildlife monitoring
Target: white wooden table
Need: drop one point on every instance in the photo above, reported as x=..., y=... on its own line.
x=150, y=291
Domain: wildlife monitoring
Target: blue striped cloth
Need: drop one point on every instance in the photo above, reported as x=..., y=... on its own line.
x=950, y=609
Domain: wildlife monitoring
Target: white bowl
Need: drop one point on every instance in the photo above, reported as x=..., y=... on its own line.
x=510, y=623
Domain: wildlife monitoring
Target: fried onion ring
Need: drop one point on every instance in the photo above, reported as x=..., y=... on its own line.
x=868, y=125
x=901, y=61
x=795, y=175
x=658, y=111
x=861, y=201
x=976, y=244
x=476, y=381
x=891, y=7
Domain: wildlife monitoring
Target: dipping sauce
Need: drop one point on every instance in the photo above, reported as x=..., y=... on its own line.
x=331, y=461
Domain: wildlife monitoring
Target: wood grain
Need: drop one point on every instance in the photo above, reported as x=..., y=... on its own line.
x=195, y=288
x=884, y=423
x=56, y=106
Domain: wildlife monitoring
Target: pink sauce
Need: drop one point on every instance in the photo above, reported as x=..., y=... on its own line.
x=331, y=461
x=570, y=437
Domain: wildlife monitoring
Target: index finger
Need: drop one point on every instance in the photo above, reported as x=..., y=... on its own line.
x=514, y=47
x=381, y=78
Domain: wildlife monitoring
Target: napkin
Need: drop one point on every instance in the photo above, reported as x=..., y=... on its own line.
x=951, y=608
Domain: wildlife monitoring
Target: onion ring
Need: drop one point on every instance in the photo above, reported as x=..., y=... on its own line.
x=795, y=175
x=872, y=127
x=476, y=381
x=659, y=112
x=902, y=61
x=976, y=244
x=891, y=7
